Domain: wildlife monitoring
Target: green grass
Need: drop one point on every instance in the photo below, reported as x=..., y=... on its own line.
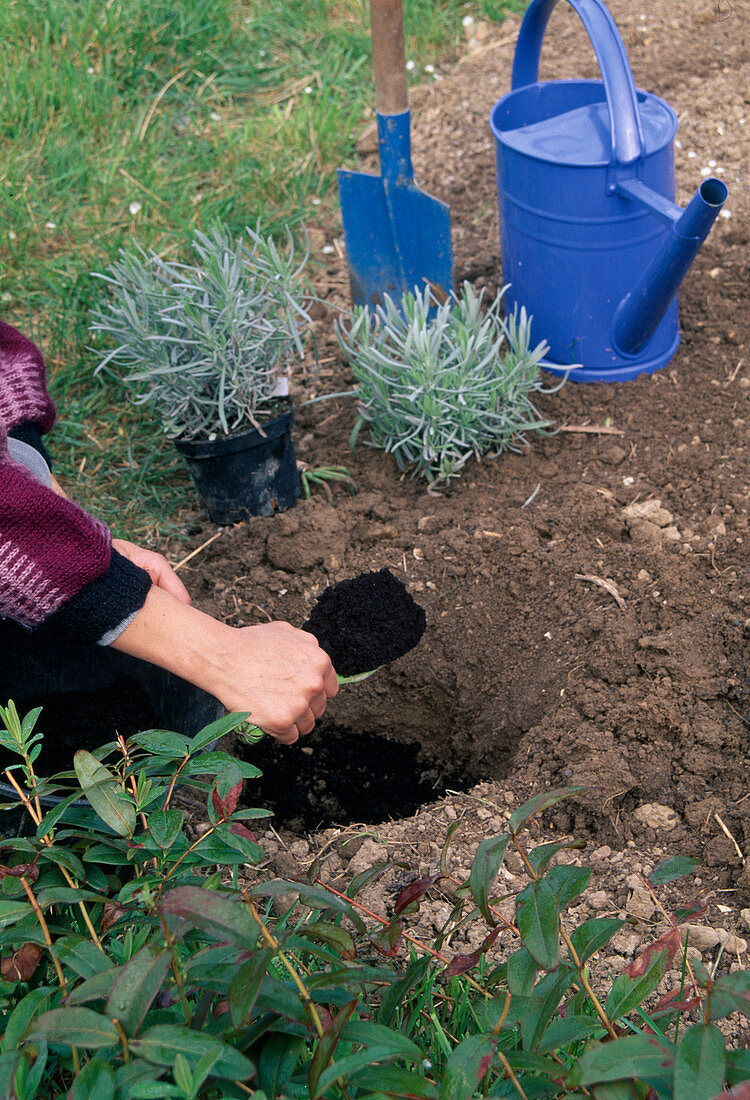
x=198, y=111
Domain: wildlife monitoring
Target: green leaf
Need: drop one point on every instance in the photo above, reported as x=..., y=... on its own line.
x=635, y=1056
x=538, y=803
x=278, y=1060
x=670, y=869
x=208, y=763
x=73, y=1027
x=11, y=912
x=396, y=1082
x=96, y=988
x=216, y=730
x=521, y=972
x=540, y=856
x=163, y=1042
x=21, y=1017
x=96, y=1081
x=466, y=1067
x=397, y=994
x=700, y=1064
x=82, y=956
x=65, y=895
x=245, y=985
x=182, y=1075
x=588, y=937
x=9, y=1063
x=165, y=826
x=536, y=1011
x=731, y=993
x=63, y=857
x=222, y=915
x=105, y=794
x=332, y=935
x=738, y=1066
x=537, y=917
x=138, y=983
x=568, y=882
x=326, y=1047
x=162, y=743
x=484, y=869
x=566, y=1030
x=627, y=993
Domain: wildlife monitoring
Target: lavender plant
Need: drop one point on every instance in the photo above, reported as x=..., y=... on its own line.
x=207, y=343
x=438, y=383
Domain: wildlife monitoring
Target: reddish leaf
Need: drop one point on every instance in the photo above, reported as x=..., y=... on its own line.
x=326, y=1046
x=29, y=871
x=20, y=966
x=388, y=940
x=670, y=1003
x=414, y=892
x=226, y=806
x=242, y=830
x=111, y=914
x=669, y=942
x=459, y=964
x=698, y=907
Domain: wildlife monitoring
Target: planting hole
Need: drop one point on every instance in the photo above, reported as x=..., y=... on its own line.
x=339, y=776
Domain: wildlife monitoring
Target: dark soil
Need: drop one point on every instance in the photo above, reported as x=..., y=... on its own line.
x=366, y=622
x=586, y=600
x=75, y=720
x=344, y=775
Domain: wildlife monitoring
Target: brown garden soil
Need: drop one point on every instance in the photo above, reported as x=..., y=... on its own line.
x=587, y=599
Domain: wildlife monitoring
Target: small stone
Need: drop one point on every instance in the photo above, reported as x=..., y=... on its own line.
x=733, y=944
x=601, y=855
x=368, y=855
x=656, y=816
x=612, y=454
x=626, y=943
x=745, y=917
x=639, y=904
x=598, y=900
x=428, y=525
x=698, y=935
x=644, y=533
x=300, y=849
x=650, y=510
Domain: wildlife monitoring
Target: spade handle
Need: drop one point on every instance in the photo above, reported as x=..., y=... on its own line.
x=388, y=56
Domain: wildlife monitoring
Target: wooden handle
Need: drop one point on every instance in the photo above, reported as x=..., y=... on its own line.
x=388, y=56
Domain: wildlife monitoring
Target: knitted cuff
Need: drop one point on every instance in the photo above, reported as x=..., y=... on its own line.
x=102, y=609
x=29, y=433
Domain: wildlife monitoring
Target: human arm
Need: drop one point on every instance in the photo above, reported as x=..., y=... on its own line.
x=277, y=673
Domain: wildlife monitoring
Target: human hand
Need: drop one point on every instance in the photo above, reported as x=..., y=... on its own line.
x=156, y=565
x=276, y=673
x=280, y=675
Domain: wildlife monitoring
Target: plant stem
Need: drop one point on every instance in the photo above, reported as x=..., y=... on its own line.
x=37, y=819
x=45, y=932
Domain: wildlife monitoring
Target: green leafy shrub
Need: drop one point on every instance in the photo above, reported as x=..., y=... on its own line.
x=136, y=965
x=207, y=344
x=438, y=383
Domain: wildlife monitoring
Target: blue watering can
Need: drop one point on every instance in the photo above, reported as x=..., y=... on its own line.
x=592, y=243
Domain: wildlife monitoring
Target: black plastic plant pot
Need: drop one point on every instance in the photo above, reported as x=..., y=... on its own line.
x=245, y=474
x=61, y=678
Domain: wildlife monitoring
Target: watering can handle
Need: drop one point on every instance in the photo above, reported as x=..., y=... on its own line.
x=624, y=117
x=389, y=56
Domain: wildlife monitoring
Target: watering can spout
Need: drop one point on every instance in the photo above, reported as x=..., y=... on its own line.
x=639, y=313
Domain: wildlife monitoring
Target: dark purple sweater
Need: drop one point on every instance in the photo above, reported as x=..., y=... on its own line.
x=58, y=570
